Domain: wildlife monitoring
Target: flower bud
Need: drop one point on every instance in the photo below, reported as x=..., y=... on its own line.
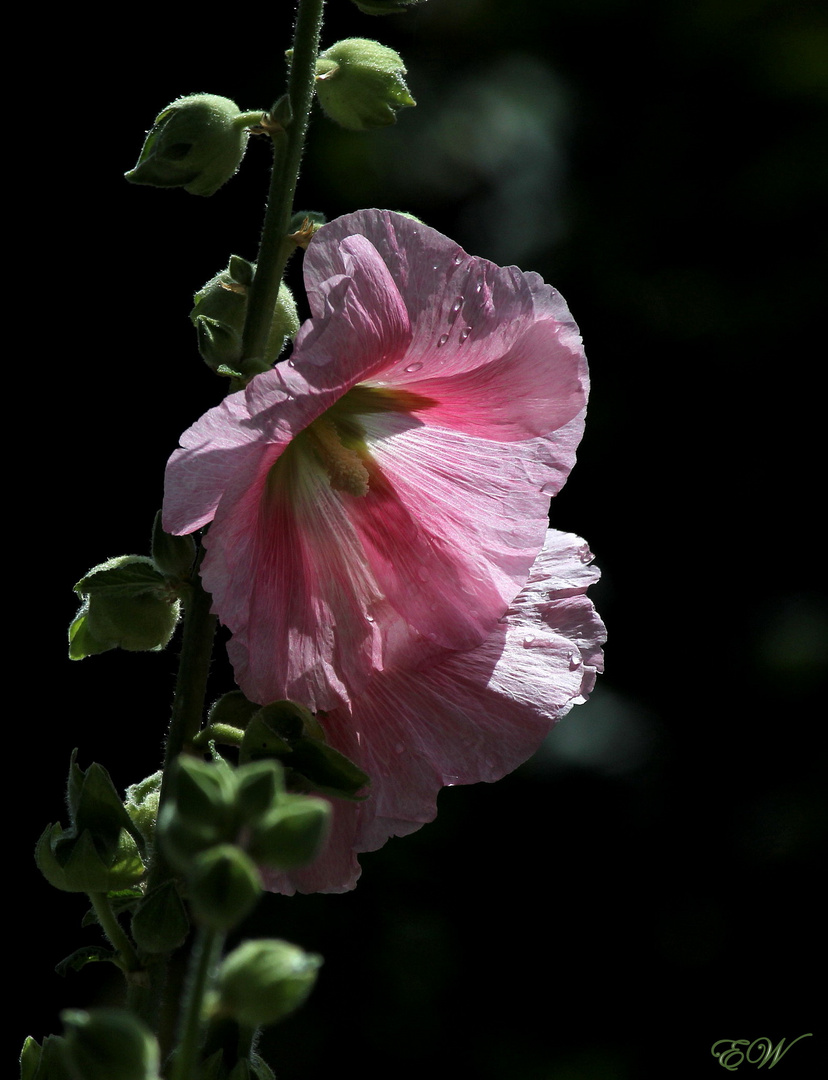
x=107, y=1043
x=99, y=852
x=219, y=310
x=360, y=84
x=127, y=604
x=292, y=834
x=223, y=886
x=262, y=982
x=197, y=143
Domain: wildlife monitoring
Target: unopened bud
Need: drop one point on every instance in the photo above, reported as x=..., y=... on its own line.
x=197, y=143
x=262, y=982
x=360, y=84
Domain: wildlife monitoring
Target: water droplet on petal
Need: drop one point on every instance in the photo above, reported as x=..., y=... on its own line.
x=458, y=303
x=528, y=639
x=479, y=287
x=574, y=661
x=442, y=339
x=370, y=618
x=413, y=367
x=464, y=333
x=457, y=260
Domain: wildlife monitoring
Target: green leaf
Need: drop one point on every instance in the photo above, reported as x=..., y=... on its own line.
x=90, y=954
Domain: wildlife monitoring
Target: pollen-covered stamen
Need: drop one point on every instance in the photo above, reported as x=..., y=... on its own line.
x=342, y=464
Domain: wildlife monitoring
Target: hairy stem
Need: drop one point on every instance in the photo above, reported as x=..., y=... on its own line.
x=288, y=145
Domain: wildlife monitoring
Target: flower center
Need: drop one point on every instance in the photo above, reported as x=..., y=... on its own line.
x=342, y=463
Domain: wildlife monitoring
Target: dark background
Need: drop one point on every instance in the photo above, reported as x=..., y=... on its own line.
x=647, y=884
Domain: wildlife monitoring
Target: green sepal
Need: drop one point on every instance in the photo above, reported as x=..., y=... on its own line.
x=103, y=1044
x=126, y=575
x=260, y=785
x=160, y=922
x=173, y=556
x=46, y=1062
x=314, y=217
x=262, y=982
x=290, y=733
x=83, y=864
x=219, y=345
x=90, y=954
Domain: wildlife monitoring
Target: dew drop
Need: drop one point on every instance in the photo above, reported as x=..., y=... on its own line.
x=458, y=303
x=442, y=339
x=464, y=333
x=369, y=618
x=457, y=260
x=574, y=661
x=479, y=287
x=413, y=367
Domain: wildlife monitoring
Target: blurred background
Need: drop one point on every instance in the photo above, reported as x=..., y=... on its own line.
x=647, y=884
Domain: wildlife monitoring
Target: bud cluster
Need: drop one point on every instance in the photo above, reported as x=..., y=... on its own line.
x=219, y=825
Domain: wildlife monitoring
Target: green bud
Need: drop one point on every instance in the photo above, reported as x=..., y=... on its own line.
x=127, y=604
x=219, y=310
x=289, y=732
x=172, y=556
x=261, y=982
x=141, y=804
x=197, y=143
x=385, y=7
x=106, y=1043
x=292, y=834
x=360, y=84
x=200, y=811
x=160, y=923
x=223, y=886
x=100, y=851
x=46, y=1062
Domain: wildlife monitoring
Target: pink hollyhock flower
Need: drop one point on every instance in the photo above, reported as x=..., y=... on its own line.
x=391, y=481
x=462, y=717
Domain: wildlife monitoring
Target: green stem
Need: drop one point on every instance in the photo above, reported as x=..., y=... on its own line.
x=114, y=931
x=288, y=145
x=187, y=713
x=208, y=945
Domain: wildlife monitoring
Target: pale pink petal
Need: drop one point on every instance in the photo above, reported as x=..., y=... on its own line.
x=468, y=716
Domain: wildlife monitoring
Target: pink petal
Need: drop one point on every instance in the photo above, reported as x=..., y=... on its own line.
x=466, y=717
